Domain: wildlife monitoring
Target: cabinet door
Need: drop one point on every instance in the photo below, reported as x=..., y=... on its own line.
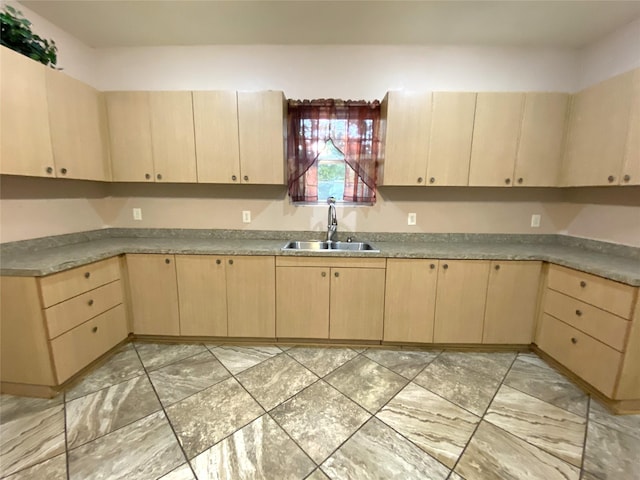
x=154, y=294
x=78, y=128
x=597, y=133
x=215, y=116
x=410, y=300
x=460, y=301
x=202, y=295
x=495, y=139
x=25, y=146
x=541, y=140
x=302, y=302
x=172, y=136
x=251, y=296
x=357, y=303
x=261, y=120
x=450, y=142
x=130, y=136
x=631, y=167
x=407, y=118
x=512, y=298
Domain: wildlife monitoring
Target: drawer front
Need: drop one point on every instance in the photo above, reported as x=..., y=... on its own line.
x=604, y=326
x=62, y=286
x=71, y=313
x=605, y=294
x=591, y=360
x=80, y=346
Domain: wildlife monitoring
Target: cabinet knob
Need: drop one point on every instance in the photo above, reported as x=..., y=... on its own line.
x=324, y=274
x=159, y=176
x=147, y=176
x=507, y=181
x=337, y=274
x=87, y=274
x=497, y=267
x=246, y=178
x=230, y=262
x=234, y=178
x=420, y=179
x=626, y=178
x=49, y=169
x=432, y=266
x=520, y=180
x=432, y=180
x=611, y=178
x=579, y=313
x=94, y=329
x=583, y=284
x=445, y=266
x=90, y=302
x=63, y=171
x=167, y=261
x=218, y=262
x=574, y=340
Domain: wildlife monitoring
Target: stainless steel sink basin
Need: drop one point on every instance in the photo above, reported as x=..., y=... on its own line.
x=329, y=247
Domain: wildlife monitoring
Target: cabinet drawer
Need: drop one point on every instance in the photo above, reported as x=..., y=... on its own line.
x=604, y=326
x=588, y=358
x=605, y=294
x=80, y=346
x=71, y=313
x=62, y=286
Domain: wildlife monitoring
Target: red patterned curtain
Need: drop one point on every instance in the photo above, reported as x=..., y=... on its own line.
x=311, y=123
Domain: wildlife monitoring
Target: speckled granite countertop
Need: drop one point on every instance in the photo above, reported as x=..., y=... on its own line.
x=54, y=254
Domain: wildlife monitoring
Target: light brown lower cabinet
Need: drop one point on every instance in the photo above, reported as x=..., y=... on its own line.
x=154, y=294
x=512, y=299
x=410, y=300
x=336, y=298
x=460, y=301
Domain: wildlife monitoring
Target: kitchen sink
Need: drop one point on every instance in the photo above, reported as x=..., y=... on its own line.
x=329, y=247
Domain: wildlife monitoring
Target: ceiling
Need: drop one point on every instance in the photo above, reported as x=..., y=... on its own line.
x=565, y=24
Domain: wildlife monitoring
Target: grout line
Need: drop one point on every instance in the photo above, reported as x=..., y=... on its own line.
x=586, y=432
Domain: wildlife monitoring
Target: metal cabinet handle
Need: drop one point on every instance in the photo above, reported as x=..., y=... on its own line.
x=574, y=340
x=159, y=176
x=90, y=302
x=147, y=176
x=94, y=329
x=167, y=261
x=583, y=284
x=507, y=181
x=63, y=171
x=611, y=178
x=579, y=313
x=246, y=178
x=420, y=179
x=497, y=267
x=49, y=169
x=520, y=180
x=626, y=178
x=234, y=178
x=432, y=266
x=218, y=262
x=445, y=266
x=337, y=274
x=230, y=262
x=87, y=274
x=324, y=274
x=432, y=180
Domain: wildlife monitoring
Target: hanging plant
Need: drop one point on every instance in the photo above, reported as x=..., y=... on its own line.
x=16, y=34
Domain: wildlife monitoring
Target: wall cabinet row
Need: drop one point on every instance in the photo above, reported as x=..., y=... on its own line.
x=461, y=301
x=52, y=125
x=204, y=137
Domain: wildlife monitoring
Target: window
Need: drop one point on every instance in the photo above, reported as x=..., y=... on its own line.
x=333, y=149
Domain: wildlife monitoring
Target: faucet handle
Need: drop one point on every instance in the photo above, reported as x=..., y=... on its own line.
x=331, y=200
x=349, y=239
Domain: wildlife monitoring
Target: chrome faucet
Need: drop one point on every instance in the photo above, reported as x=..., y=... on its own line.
x=332, y=221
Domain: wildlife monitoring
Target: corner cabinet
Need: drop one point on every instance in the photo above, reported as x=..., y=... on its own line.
x=347, y=296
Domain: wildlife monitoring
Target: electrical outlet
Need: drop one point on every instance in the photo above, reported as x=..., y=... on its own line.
x=246, y=216
x=137, y=214
x=535, y=220
x=411, y=219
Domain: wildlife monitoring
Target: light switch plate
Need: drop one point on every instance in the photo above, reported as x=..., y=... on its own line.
x=411, y=219
x=535, y=220
x=246, y=216
x=137, y=214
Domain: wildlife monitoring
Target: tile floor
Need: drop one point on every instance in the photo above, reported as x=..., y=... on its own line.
x=178, y=412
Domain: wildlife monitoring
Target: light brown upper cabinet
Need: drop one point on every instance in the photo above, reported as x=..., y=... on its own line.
x=631, y=166
x=152, y=136
x=215, y=115
x=460, y=300
x=25, y=146
x=130, y=136
x=541, y=140
x=512, y=298
x=450, y=140
x=598, y=132
x=495, y=139
x=261, y=131
x=406, y=119
x=77, y=116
